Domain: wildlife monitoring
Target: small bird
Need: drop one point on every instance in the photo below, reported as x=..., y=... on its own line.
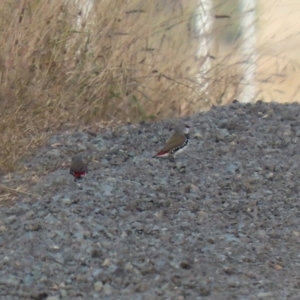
x=78, y=167
x=177, y=143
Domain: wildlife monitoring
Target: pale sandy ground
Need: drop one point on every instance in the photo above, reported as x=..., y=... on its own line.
x=278, y=51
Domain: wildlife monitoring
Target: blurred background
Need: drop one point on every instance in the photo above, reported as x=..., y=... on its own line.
x=277, y=44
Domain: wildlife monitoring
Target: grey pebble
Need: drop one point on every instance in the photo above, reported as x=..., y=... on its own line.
x=54, y=153
x=98, y=286
x=9, y=280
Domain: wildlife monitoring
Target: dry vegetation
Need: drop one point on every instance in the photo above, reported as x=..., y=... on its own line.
x=127, y=61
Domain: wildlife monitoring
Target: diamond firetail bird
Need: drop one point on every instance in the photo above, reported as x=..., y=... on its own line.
x=78, y=167
x=177, y=143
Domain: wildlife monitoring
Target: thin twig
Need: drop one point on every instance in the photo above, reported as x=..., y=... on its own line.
x=18, y=191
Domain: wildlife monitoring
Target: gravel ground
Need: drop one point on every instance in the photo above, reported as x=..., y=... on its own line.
x=223, y=223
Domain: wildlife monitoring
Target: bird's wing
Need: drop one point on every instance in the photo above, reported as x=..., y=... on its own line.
x=175, y=141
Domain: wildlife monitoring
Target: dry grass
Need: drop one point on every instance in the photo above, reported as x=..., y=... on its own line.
x=130, y=60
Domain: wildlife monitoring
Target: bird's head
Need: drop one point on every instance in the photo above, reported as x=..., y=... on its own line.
x=186, y=128
x=183, y=128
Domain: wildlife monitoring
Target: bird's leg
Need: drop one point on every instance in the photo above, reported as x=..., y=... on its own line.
x=172, y=159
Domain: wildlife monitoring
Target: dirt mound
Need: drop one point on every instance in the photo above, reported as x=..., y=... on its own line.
x=223, y=223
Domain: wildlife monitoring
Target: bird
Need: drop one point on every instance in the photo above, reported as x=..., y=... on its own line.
x=176, y=144
x=78, y=167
